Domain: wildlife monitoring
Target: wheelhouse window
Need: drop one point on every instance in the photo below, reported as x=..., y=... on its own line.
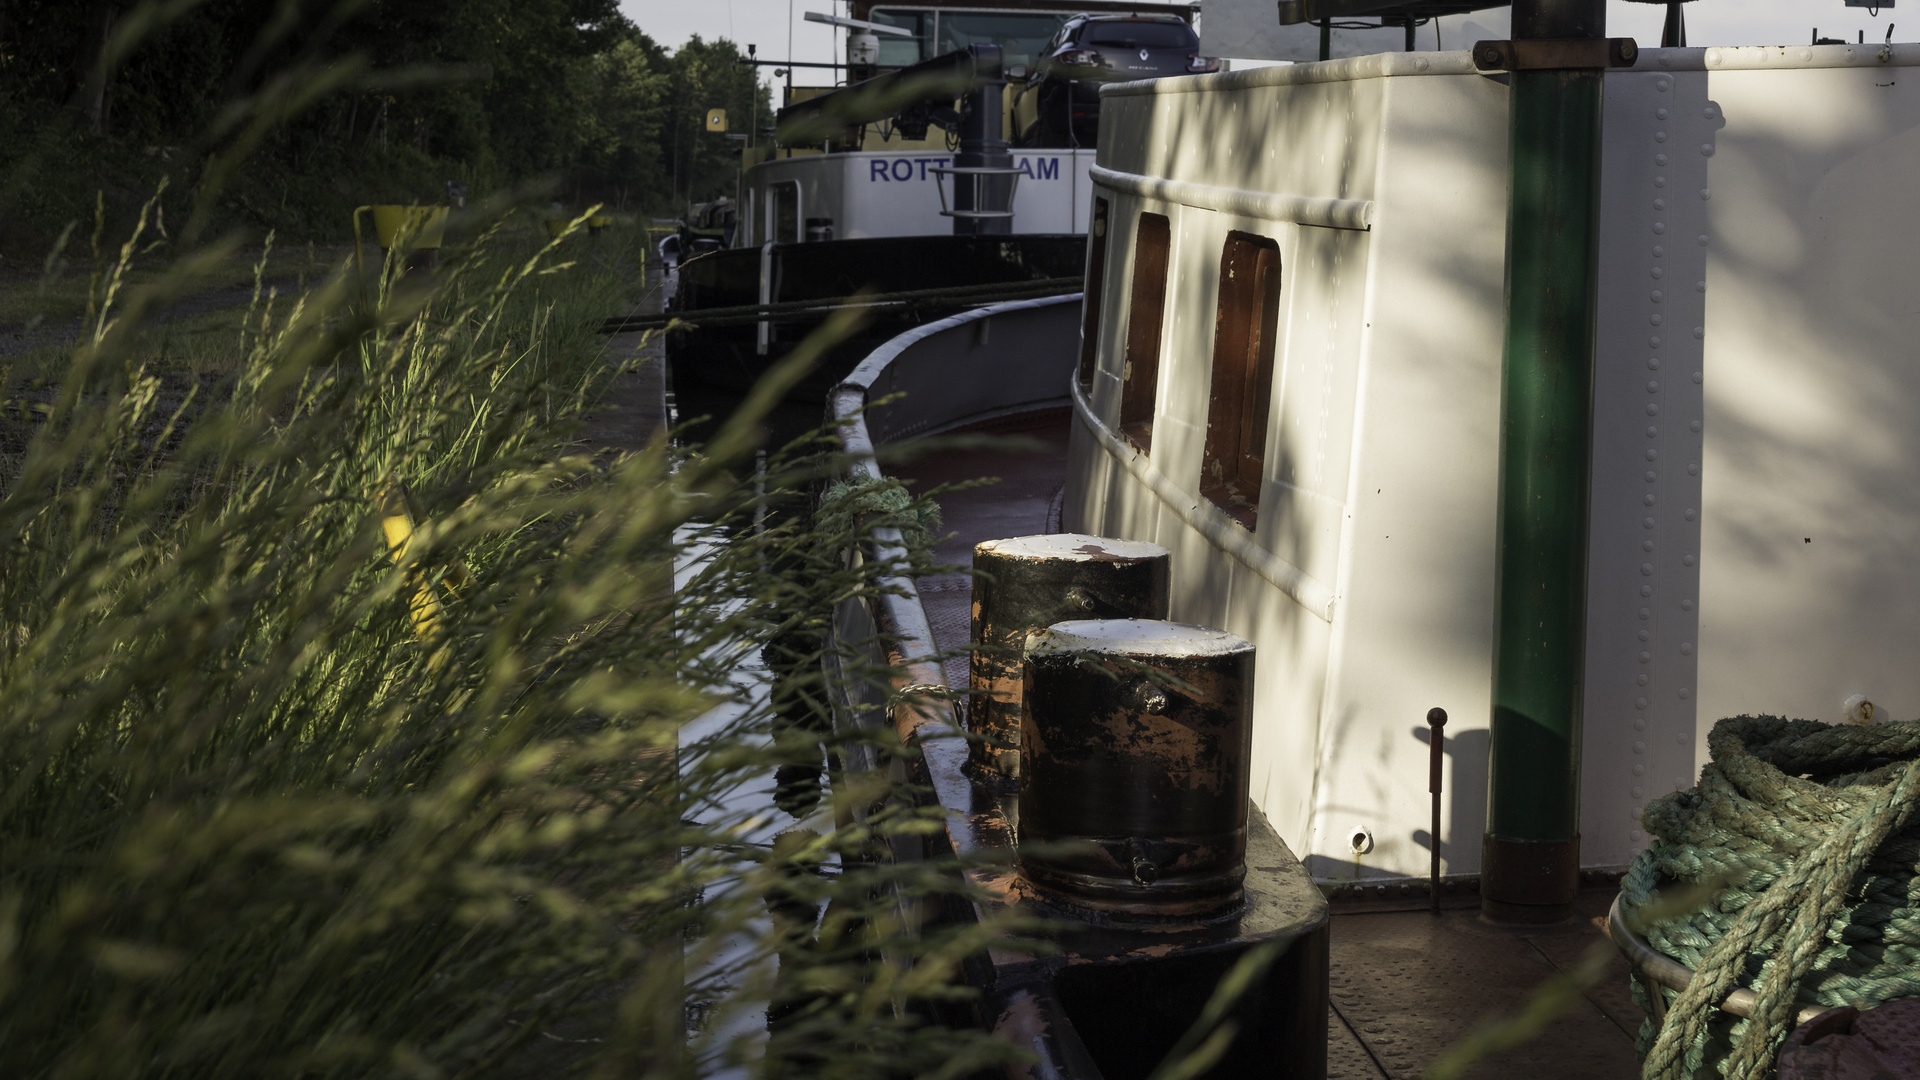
x=1021, y=35
x=1090, y=306
x=1245, y=327
x=905, y=52
x=785, y=212
x=1146, y=307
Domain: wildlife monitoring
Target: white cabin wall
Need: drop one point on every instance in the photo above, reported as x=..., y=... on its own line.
x=1186, y=351
x=1303, y=508
x=1643, y=577
x=1413, y=626
x=1812, y=386
x=1312, y=139
x=1758, y=253
x=1331, y=755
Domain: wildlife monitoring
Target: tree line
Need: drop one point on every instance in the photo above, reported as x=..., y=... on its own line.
x=493, y=94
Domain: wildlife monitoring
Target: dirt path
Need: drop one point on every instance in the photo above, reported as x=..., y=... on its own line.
x=17, y=338
x=634, y=410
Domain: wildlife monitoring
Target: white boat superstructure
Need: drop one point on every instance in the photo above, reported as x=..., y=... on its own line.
x=875, y=193
x=1326, y=474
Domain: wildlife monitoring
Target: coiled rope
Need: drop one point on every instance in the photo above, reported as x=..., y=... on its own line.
x=1805, y=833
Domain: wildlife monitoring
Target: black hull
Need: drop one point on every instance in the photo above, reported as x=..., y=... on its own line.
x=713, y=367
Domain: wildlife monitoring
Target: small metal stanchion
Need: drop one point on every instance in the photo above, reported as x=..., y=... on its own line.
x=1437, y=724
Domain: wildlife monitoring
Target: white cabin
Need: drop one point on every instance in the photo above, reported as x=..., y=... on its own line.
x=1755, y=538
x=871, y=193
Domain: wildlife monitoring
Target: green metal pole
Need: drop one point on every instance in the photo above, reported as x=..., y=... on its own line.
x=1531, y=852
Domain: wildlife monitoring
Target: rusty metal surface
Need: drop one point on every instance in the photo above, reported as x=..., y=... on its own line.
x=1559, y=54
x=1027, y=583
x=1134, y=750
x=1855, y=1044
x=1409, y=984
x=1528, y=880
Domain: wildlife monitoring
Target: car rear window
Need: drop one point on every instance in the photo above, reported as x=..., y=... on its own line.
x=1151, y=35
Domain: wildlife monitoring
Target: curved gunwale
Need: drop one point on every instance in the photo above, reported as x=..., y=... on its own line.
x=922, y=707
x=897, y=606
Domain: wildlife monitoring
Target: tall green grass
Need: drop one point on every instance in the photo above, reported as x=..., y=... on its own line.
x=255, y=822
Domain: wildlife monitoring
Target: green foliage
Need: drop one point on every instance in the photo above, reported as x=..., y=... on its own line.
x=363, y=101
x=878, y=501
x=262, y=818
x=352, y=722
x=704, y=76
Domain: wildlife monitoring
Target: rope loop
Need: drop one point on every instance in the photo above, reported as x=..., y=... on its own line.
x=1804, y=834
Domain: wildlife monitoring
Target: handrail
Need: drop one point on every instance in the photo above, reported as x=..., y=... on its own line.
x=898, y=606
x=1299, y=209
x=1662, y=970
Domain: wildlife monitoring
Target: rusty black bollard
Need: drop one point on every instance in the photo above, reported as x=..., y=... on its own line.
x=1437, y=724
x=1029, y=582
x=1134, y=767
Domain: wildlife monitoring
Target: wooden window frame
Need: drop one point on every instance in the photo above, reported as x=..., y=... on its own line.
x=1090, y=304
x=1146, y=314
x=1246, y=327
x=777, y=232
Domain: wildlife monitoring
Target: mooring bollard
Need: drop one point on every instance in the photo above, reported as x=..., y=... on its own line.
x=1029, y=582
x=1134, y=767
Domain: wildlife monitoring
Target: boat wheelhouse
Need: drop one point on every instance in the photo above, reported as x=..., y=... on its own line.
x=1291, y=378
x=903, y=186
x=890, y=175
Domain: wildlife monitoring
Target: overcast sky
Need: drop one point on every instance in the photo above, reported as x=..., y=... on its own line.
x=1709, y=22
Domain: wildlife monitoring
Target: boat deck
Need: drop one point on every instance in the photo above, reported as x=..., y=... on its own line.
x=1404, y=983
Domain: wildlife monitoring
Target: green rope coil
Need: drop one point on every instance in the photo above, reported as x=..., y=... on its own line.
x=1805, y=834
x=868, y=502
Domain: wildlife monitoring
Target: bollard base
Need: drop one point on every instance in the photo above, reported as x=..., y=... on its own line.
x=1528, y=881
x=1131, y=989
x=1180, y=904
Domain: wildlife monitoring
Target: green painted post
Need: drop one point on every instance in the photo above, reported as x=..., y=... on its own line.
x=1531, y=852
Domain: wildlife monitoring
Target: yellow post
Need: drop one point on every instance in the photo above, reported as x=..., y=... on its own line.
x=396, y=527
x=420, y=227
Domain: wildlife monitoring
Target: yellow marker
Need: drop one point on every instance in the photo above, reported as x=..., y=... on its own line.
x=716, y=119
x=396, y=527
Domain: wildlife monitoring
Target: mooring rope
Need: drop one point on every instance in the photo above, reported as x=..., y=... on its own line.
x=1805, y=834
